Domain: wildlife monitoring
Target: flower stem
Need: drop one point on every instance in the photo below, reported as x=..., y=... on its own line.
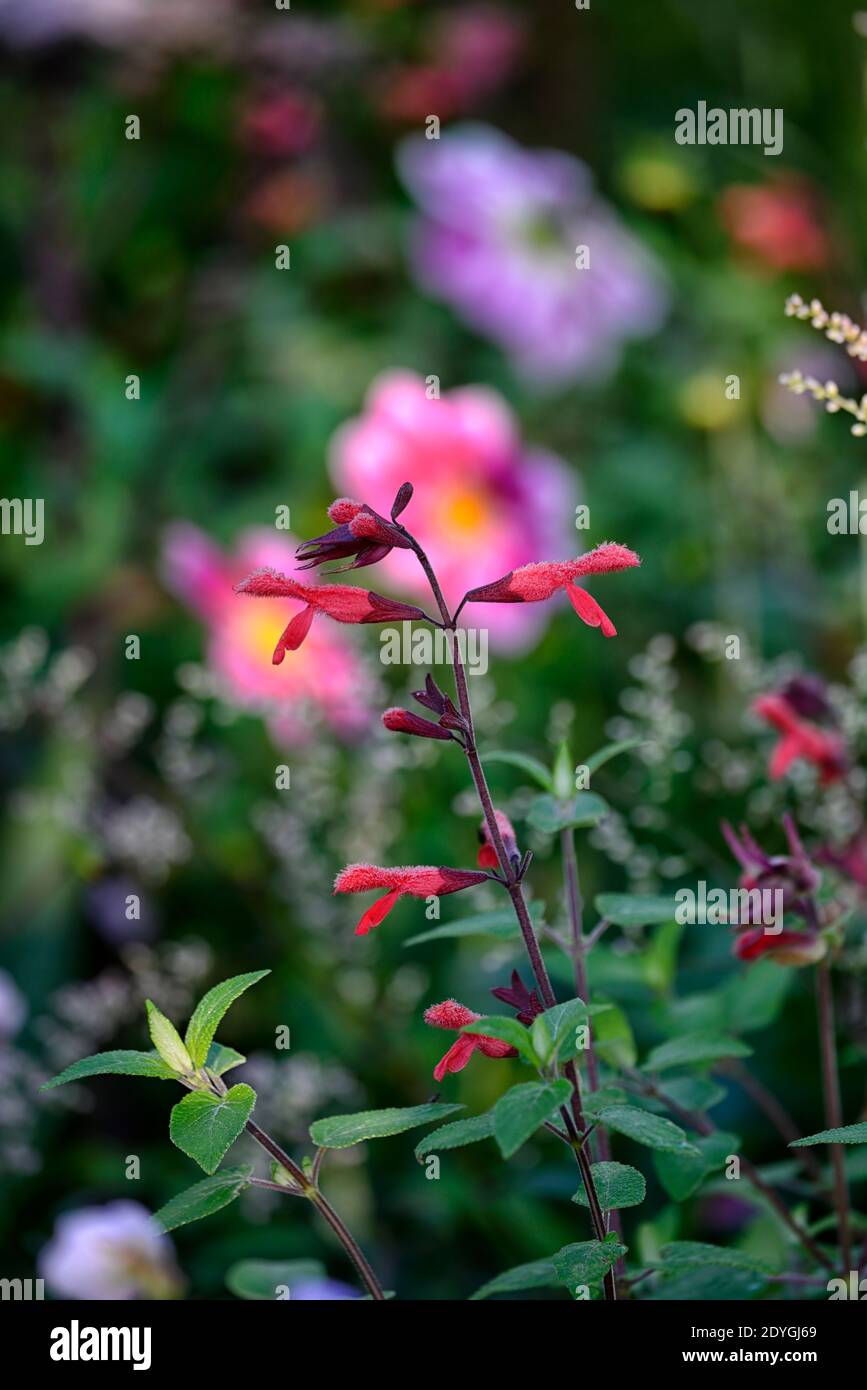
x=323, y=1206
x=574, y=1122
x=833, y=1106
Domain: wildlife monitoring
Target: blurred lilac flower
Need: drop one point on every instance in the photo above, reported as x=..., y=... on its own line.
x=107, y=910
x=111, y=1252
x=13, y=1007
x=323, y=1291
x=497, y=241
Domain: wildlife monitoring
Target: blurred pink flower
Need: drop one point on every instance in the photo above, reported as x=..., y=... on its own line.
x=490, y=503
x=326, y=675
x=498, y=241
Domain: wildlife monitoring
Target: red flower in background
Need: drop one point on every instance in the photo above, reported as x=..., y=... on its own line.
x=776, y=224
x=801, y=740
x=536, y=582
x=450, y=1014
x=785, y=948
x=422, y=881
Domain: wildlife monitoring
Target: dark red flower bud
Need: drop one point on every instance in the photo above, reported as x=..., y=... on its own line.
x=402, y=500
x=403, y=721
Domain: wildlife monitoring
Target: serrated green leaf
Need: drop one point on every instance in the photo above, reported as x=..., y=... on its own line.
x=456, y=1135
x=694, y=1049
x=611, y=750
x=679, y=1253
x=266, y=1279
x=551, y=816
x=204, y=1198
x=167, y=1040
x=617, y=1186
x=683, y=1174
x=507, y=1030
x=538, y=771
x=587, y=1261
x=120, y=1063
x=654, y=1131
x=635, y=910
x=502, y=925
x=205, y=1126
x=342, y=1131
x=523, y=1108
x=538, y=1274
x=848, y=1134
x=554, y=1032
x=211, y=1009
x=222, y=1059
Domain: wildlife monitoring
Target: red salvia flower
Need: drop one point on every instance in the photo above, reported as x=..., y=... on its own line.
x=422, y=881
x=450, y=1014
x=487, y=854
x=343, y=602
x=536, y=582
x=785, y=948
x=801, y=740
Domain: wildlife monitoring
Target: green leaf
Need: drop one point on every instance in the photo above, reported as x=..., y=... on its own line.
x=266, y=1279
x=554, y=1032
x=211, y=1008
x=681, y=1253
x=221, y=1059
x=658, y=960
x=611, y=750
x=694, y=1049
x=683, y=1174
x=635, y=910
x=587, y=1261
x=501, y=924
x=753, y=998
x=849, y=1134
x=563, y=773
x=538, y=771
x=525, y=1107
x=114, y=1064
x=613, y=1039
x=538, y=1274
x=204, y=1198
x=654, y=1131
x=454, y=1136
x=342, y=1131
x=551, y=816
x=617, y=1185
x=205, y=1126
x=507, y=1030
x=167, y=1040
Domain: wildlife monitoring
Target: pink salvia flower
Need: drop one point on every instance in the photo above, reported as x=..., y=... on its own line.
x=452, y=1015
x=421, y=881
x=536, y=582
x=342, y=602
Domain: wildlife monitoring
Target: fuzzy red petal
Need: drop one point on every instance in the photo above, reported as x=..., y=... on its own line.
x=294, y=634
